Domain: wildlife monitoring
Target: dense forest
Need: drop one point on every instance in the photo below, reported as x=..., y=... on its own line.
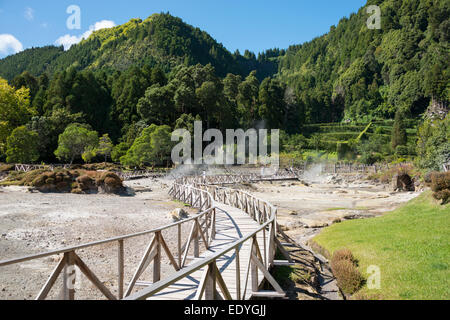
x=354, y=72
x=134, y=83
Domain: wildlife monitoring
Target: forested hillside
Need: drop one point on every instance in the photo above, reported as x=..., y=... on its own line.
x=160, y=40
x=356, y=73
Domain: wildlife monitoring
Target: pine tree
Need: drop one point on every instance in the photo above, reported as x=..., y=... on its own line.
x=399, y=137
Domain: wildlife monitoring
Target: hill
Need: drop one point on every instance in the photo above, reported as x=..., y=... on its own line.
x=160, y=40
x=354, y=72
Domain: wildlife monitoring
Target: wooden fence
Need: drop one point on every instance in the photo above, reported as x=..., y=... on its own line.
x=261, y=257
x=203, y=225
x=31, y=167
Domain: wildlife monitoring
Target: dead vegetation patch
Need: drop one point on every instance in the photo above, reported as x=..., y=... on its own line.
x=344, y=267
x=440, y=185
x=76, y=181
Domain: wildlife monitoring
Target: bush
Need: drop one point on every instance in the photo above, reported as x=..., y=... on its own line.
x=343, y=254
x=343, y=265
x=440, y=185
x=401, y=151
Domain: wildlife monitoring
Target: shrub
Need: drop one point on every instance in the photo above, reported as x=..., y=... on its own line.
x=401, y=151
x=440, y=185
x=343, y=254
x=343, y=265
x=348, y=277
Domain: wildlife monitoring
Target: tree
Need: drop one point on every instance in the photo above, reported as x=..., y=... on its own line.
x=433, y=145
x=119, y=151
x=248, y=98
x=22, y=146
x=272, y=107
x=208, y=96
x=399, y=137
x=49, y=128
x=153, y=146
x=14, y=110
x=76, y=140
x=105, y=146
x=157, y=105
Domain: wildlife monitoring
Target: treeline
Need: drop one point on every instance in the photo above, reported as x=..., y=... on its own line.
x=122, y=105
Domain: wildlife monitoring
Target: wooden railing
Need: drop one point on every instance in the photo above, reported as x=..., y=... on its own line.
x=130, y=175
x=203, y=225
x=261, y=256
x=195, y=192
x=31, y=167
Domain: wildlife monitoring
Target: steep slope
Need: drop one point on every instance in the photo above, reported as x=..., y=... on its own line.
x=356, y=72
x=35, y=61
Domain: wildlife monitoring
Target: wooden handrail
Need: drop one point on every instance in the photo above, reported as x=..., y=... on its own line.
x=202, y=196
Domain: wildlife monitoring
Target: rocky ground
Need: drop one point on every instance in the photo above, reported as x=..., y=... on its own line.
x=32, y=222
x=304, y=208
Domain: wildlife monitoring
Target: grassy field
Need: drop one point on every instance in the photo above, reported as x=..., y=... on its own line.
x=410, y=245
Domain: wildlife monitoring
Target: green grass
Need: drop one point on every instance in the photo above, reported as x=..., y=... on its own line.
x=411, y=245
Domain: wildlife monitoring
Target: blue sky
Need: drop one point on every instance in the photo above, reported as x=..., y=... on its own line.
x=238, y=24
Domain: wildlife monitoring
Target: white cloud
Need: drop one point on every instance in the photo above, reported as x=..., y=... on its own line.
x=29, y=13
x=67, y=40
x=9, y=44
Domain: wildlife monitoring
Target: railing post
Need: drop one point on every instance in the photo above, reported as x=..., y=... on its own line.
x=179, y=245
x=69, y=277
x=238, y=275
x=210, y=285
x=157, y=260
x=196, y=242
x=254, y=270
x=213, y=227
x=121, y=269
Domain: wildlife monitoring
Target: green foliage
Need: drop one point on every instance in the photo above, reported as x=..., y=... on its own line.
x=152, y=147
x=157, y=105
x=119, y=151
x=354, y=72
x=75, y=141
x=105, y=147
x=35, y=61
x=22, y=146
x=433, y=145
x=15, y=110
x=160, y=40
x=399, y=131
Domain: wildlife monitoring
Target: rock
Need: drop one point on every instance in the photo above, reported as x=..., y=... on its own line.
x=291, y=225
x=178, y=214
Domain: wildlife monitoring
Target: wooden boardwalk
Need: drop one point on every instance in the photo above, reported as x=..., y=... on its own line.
x=231, y=225
x=237, y=230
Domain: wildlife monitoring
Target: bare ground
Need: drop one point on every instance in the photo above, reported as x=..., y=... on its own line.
x=38, y=222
